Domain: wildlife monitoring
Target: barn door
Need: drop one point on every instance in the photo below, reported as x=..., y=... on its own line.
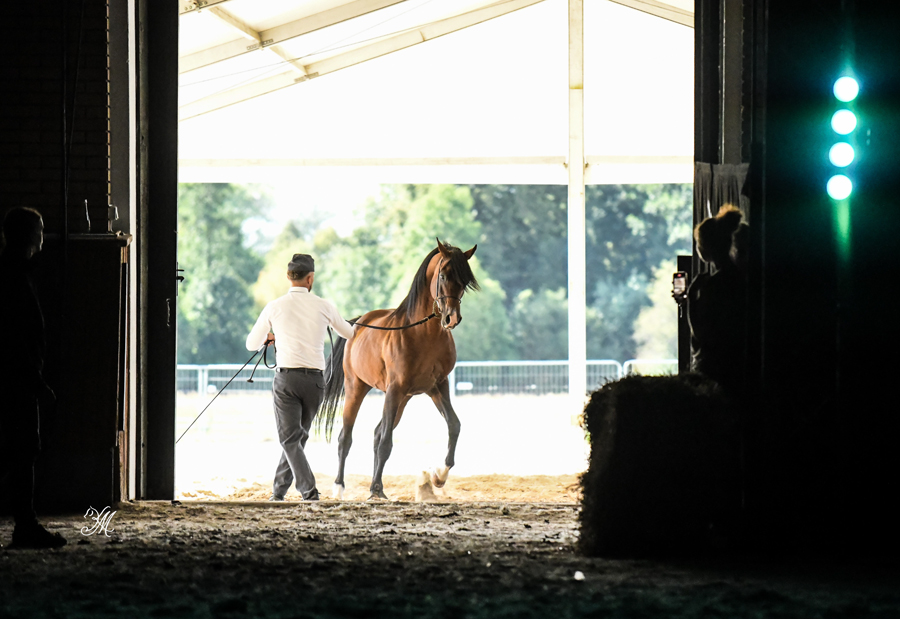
x=158, y=189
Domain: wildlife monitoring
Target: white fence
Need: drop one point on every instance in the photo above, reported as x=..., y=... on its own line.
x=468, y=378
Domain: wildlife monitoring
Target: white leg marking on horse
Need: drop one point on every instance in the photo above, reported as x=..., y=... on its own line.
x=337, y=492
x=439, y=475
x=424, y=491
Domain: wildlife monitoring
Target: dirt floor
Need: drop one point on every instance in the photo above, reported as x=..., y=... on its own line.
x=400, y=559
x=534, y=488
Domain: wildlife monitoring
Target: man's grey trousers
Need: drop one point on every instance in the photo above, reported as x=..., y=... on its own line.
x=297, y=394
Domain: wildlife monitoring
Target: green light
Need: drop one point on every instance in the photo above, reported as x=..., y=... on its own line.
x=843, y=122
x=839, y=187
x=846, y=88
x=841, y=154
x=842, y=229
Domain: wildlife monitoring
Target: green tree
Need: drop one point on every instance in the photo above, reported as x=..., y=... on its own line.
x=272, y=281
x=540, y=321
x=429, y=212
x=485, y=333
x=615, y=309
x=656, y=327
x=356, y=273
x=630, y=229
x=524, y=228
x=373, y=267
x=521, y=260
x=215, y=307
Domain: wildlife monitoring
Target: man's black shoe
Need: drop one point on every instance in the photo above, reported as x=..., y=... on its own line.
x=36, y=536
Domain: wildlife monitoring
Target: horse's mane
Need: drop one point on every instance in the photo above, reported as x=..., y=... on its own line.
x=460, y=271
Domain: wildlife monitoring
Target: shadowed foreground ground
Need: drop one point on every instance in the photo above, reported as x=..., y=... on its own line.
x=400, y=560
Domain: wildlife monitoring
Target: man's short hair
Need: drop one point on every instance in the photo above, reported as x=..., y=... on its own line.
x=301, y=262
x=19, y=226
x=296, y=276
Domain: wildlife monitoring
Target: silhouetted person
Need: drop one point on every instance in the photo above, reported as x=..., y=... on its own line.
x=21, y=381
x=717, y=302
x=299, y=320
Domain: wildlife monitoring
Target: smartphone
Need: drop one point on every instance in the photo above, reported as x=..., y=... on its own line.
x=679, y=284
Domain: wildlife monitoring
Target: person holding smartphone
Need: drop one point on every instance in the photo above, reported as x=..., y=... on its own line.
x=716, y=301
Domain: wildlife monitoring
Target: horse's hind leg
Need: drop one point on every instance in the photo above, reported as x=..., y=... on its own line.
x=394, y=403
x=440, y=395
x=352, y=401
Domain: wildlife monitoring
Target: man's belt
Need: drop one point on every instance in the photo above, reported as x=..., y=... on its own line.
x=303, y=370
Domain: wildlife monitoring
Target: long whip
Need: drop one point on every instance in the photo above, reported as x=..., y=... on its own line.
x=250, y=380
x=265, y=346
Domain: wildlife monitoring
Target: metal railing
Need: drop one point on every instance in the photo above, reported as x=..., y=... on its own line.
x=468, y=378
x=525, y=377
x=211, y=378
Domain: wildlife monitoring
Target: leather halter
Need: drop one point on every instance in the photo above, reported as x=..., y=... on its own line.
x=437, y=278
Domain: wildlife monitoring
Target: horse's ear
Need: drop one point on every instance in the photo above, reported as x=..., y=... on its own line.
x=471, y=252
x=442, y=248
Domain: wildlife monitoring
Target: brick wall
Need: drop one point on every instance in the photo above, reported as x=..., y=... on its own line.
x=36, y=69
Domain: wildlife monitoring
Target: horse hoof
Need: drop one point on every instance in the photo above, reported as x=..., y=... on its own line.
x=378, y=497
x=337, y=492
x=439, y=476
x=424, y=492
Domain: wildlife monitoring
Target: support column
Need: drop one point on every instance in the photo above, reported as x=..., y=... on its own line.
x=158, y=242
x=576, y=229
x=123, y=73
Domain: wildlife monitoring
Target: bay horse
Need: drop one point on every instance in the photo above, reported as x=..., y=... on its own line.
x=402, y=359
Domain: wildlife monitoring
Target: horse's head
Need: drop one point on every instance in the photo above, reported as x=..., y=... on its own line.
x=451, y=278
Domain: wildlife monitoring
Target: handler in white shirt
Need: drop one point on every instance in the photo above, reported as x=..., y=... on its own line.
x=298, y=320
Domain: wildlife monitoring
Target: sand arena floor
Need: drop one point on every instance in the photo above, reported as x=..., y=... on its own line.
x=232, y=450
x=357, y=559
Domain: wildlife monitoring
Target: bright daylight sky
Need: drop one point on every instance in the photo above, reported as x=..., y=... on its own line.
x=492, y=90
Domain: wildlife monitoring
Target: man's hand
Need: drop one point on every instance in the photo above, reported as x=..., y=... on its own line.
x=270, y=339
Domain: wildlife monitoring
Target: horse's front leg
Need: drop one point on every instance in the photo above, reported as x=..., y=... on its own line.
x=440, y=395
x=394, y=402
x=355, y=393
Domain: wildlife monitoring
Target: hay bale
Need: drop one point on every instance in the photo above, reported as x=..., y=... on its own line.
x=664, y=473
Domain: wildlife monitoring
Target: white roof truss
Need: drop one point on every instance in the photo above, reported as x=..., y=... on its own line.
x=279, y=34
x=362, y=53
x=269, y=39
x=660, y=9
x=255, y=36
x=189, y=6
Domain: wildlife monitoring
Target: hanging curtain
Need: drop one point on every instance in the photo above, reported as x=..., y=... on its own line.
x=702, y=191
x=715, y=185
x=727, y=184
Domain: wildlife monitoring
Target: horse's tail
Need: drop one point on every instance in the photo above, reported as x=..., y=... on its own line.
x=333, y=400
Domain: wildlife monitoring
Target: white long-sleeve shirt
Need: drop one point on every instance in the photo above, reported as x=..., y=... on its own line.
x=298, y=320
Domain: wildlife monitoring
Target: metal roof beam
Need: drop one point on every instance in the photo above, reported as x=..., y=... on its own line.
x=282, y=33
x=361, y=54
x=660, y=9
x=559, y=160
x=380, y=162
x=192, y=6
x=254, y=35
x=236, y=23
